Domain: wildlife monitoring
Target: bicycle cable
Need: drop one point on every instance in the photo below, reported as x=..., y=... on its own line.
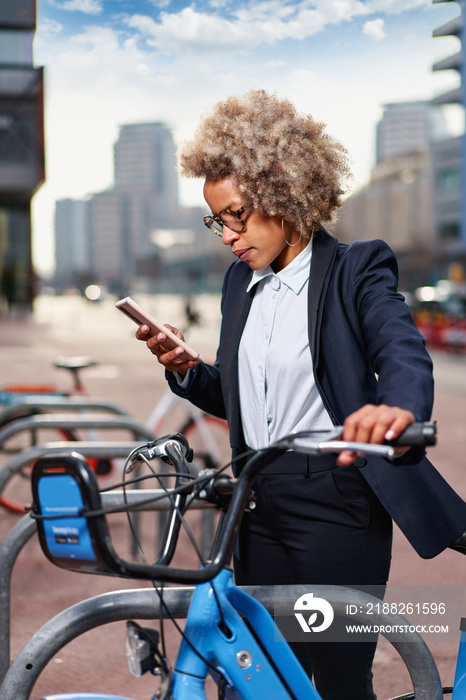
x=156, y=587
x=169, y=494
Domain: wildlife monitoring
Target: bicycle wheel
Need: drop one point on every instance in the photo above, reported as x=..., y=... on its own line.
x=209, y=438
x=16, y=494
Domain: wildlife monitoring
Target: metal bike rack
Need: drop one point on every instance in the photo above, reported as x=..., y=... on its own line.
x=96, y=422
x=143, y=604
x=63, y=403
x=88, y=448
x=25, y=528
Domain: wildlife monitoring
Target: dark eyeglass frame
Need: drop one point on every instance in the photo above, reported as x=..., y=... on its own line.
x=218, y=220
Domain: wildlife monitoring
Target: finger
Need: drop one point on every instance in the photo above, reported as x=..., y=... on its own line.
x=161, y=337
x=155, y=344
x=385, y=419
x=172, y=362
x=372, y=423
x=357, y=426
x=399, y=425
x=174, y=330
x=346, y=458
x=142, y=332
x=172, y=357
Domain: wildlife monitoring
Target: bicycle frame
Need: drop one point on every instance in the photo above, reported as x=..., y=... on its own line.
x=459, y=685
x=251, y=668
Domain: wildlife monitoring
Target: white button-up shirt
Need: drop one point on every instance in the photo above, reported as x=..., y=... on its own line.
x=277, y=391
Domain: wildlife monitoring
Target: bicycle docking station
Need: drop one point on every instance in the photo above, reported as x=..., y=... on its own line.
x=70, y=519
x=71, y=524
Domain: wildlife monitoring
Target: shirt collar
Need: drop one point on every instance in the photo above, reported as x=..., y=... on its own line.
x=294, y=275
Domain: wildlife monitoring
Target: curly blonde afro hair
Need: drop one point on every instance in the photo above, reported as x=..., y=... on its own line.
x=282, y=161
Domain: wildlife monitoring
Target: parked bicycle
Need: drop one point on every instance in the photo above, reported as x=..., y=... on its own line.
x=228, y=634
x=27, y=400
x=207, y=434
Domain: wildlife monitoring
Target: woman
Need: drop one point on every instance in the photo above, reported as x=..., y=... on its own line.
x=314, y=333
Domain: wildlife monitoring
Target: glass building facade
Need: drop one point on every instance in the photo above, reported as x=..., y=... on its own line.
x=21, y=151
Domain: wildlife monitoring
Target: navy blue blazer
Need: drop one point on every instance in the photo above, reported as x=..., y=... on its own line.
x=365, y=349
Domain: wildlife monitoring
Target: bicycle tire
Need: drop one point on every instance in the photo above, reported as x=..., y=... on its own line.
x=16, y=493
x=16, y=496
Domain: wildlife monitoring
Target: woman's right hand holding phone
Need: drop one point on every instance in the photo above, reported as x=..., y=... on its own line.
x=168, y=358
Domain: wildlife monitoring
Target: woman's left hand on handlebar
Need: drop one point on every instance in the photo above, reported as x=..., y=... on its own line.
x=374, y=424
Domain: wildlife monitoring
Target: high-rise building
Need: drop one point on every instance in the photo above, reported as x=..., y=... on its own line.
x=144, y=156
x=21, y=150
x=406, y=128
x=136, y=234
x=114, y=242
x=450, y=154
x=145, y=161
x=143, y=200
x=72, y=241
x=397, y=204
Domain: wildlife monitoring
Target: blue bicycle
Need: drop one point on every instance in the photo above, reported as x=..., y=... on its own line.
x=229, y=633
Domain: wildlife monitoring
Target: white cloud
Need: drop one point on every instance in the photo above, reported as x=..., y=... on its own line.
x=279, y=63
x=375, y=29
x=256, y=25
x=89, y=7
x=49, y=26
x=396, y=6
x=192, y=30
x=218, y=4
x=161, y=4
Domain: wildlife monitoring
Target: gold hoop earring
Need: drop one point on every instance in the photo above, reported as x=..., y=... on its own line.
x=291, y=245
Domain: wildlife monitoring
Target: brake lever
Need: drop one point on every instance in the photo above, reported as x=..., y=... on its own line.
x=157, y=449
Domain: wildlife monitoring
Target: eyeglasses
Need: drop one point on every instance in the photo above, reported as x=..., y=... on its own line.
x=227, y=217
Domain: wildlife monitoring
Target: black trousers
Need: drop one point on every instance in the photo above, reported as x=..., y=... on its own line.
x=319, y=524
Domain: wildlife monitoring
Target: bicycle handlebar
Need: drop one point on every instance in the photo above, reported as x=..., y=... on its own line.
x=212, y=486
x=415, y=435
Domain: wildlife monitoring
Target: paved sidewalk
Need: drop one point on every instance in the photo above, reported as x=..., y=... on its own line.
x=127, y=374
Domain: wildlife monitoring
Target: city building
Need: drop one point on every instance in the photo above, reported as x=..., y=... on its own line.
x=136, y=235
x=408, y=127
x=447, y=201
x=72, y=242
x=419, y=126
x=397, y=207
x=21, y=151
x=145, y=160
x=398, y=204
x=449, y=156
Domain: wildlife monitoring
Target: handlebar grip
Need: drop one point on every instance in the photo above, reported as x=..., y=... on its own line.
x=417, y=435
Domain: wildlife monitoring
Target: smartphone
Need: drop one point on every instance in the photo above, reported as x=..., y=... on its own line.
x=137, y=314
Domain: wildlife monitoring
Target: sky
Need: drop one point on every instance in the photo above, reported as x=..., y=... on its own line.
x=114, y=62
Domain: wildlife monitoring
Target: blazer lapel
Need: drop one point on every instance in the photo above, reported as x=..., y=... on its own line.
x=324, y=250
x=231, y=336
